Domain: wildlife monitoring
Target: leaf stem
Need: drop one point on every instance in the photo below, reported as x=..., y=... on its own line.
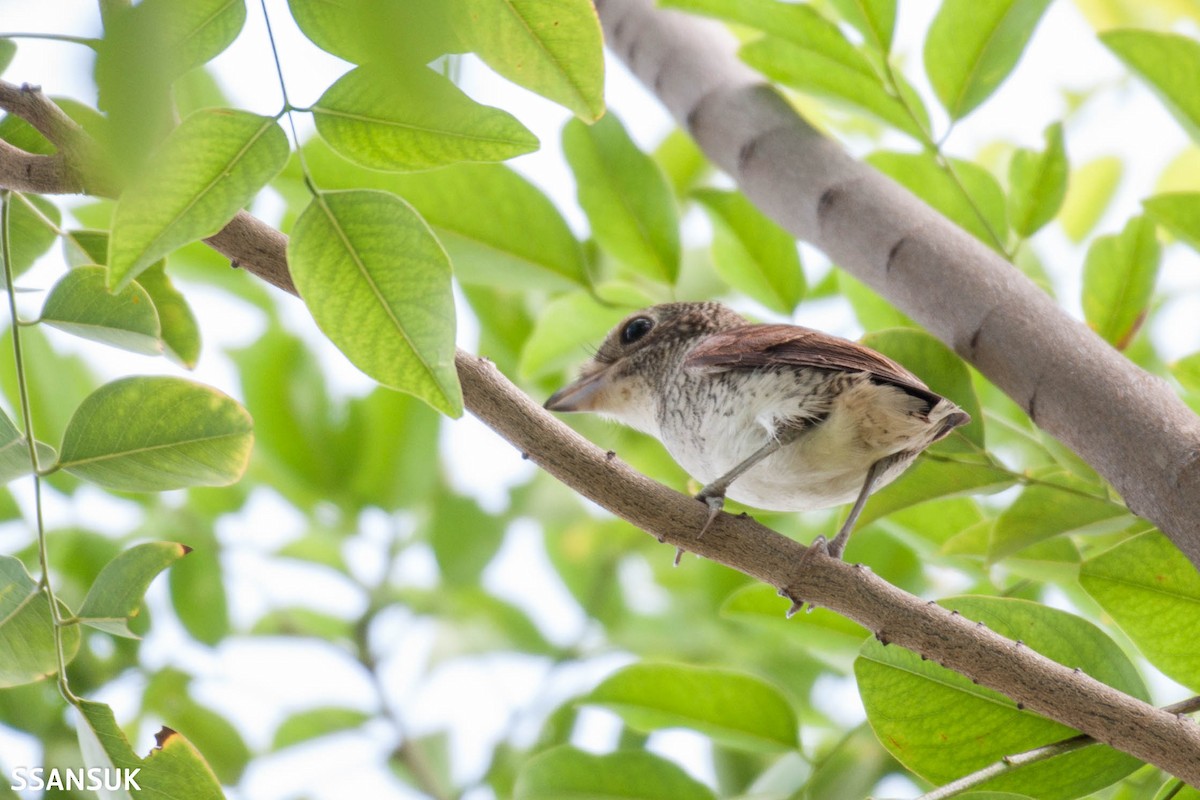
x=86, y=41
x=935, y=146
x=31, y=443
x=288, y=108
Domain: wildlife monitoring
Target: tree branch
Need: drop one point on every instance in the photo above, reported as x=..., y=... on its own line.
x=1032, y=681
x=26, y=172
x=1127, y=424
x=77, y=167
x=28, y=103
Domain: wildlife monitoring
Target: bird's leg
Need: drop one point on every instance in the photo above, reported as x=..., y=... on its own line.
x=838, y=545
x=713, y=494
x=835, y=547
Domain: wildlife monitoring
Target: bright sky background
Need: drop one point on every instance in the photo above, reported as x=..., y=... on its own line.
x=257, y=683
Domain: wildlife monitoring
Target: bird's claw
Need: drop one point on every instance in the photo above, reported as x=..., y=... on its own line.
x=820, y=547
x=715, y=503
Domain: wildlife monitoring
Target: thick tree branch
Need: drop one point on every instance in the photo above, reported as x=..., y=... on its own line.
x=1127, y=424
x=896, y=617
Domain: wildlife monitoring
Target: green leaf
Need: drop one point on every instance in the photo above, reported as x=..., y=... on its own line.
x=681, y=160
x=553, y=49
x=874, y=19
x=1187, y=371
x=302, y=622
x=1181, y=173
x=1153, y=592
x=14, y=452
x=27, y=649
x=315, y=723
x=829, y=638
x=480, y=622
x=173, y=769
x=413, y=121
x=933, y=479
x=102, y=745
x=283, y=381
x=186, y=35
x=84, y=247
x=81, y=304
x=1060, y=504
x=872, y=310
x=1179, y=213
x=1118, y=281
x=1169, y=62
x=205, y=171
x=198, y=591
x=33, y=222
x=377, y=282
x=150, y=434
x=734, y=708
x=464, y=538
x=627, y=200
x=116, y=595
x=8, y=49
x=384, y=475
x=180, y=331
x=168, y=695
x=809, y=52
x=752, y=253
x=564, y=773
x=378, y=31
x=980, y=210
x=826, y=64
x=973, y=45
x=498, y=228
x=55, y=389
x=573, y=321
x=1037, y=183
x=946, y=726
x=145, y=48
x=1089, y=192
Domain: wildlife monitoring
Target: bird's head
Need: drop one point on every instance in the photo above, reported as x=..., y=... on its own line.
x=625, y=377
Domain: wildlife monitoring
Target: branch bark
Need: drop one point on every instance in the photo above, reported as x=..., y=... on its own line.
x=896, y=617
x=1129, y=425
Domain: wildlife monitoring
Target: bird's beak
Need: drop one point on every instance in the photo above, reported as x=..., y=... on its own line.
x=582, y=395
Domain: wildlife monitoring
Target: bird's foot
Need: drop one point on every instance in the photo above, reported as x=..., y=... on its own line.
x=833, y=548
x=820, y=548
x=715, y=503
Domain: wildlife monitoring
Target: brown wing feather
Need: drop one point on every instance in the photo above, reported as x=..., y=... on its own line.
x=757, y=346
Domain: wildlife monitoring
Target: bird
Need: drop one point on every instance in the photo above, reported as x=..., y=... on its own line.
x=779, y=417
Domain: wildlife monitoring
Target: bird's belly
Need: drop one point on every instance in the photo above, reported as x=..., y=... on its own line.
x=825, y=466
x=803, y=479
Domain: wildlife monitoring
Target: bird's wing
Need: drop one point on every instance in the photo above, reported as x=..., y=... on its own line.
x=758, y=346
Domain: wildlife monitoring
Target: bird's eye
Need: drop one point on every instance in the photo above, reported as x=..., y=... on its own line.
x=635, y=329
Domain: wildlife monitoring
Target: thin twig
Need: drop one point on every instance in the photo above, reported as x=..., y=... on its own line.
x=1043, y=753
